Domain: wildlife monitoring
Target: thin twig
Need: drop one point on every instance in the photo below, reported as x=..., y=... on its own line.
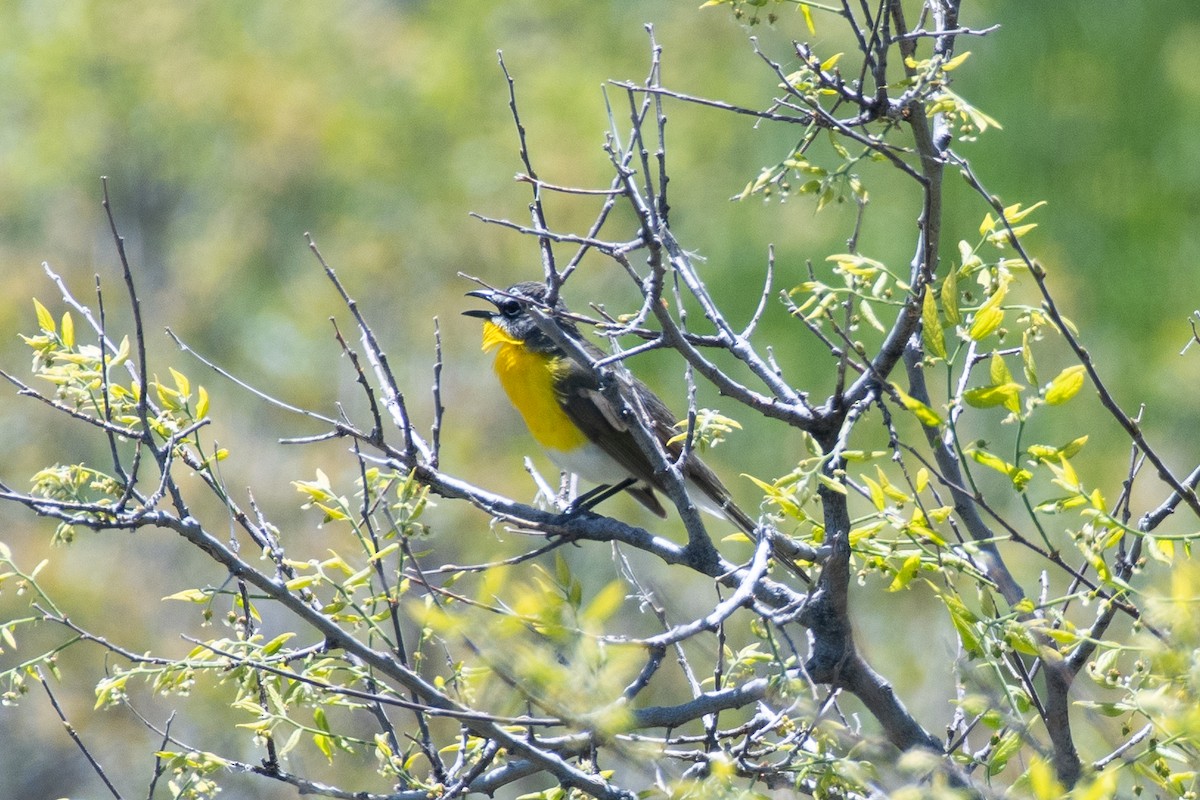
x=70, y=729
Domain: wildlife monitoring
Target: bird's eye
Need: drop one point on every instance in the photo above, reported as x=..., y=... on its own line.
x=509, y=308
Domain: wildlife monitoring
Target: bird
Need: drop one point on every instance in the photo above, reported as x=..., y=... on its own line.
x=568, y=414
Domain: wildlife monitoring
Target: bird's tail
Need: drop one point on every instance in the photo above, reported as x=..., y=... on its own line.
x=718, y=503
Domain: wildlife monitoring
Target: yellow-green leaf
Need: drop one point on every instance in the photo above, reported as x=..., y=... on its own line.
x=808, y=18
x=1003, y=236
x=201, y=402
x=1162, y=550
x=384, y=553
x=1006, y=394
x=606, y=603
x=122, y=352
x=988, y=224
x=1042, y=781
x=1019, y=477
x=964, y=622
x=1027, y=360
x=1015, y=213
x=324, y=744
x=950, y=298
x=889, y=489
x=856, y=535
x=181, y=382
x=272, y=647
x=918, y=527
x=876, y=492
x=998, y=370
x=906, y=573
x=931, y=326
x=190, y=595
x=956, y=61
x=1097, y=563
x=1072, y=447
x=44, y=317
x=831, y=62
x=987, y=319
x=926, y=415
x=68, y=330
x=831, y=484
x=1065, y=385
x=857, y=265
x=303, y=582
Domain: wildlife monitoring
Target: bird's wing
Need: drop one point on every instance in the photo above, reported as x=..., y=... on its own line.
x=586, y=406
x=580, y=398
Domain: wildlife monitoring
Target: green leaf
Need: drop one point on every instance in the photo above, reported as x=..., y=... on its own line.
x=1008, y=746
x=1018, y=637
x=562, y=570
x=1065, y=385
x=931, y=326
x=1100, y=666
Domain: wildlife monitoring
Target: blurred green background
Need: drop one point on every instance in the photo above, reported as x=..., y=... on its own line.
x=229, y=129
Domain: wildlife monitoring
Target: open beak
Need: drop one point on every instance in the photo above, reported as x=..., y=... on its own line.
x=482, y=313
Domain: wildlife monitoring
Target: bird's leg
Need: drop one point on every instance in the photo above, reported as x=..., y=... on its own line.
x=594, y=497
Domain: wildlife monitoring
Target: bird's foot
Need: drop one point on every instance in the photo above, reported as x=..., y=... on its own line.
x=594, y=497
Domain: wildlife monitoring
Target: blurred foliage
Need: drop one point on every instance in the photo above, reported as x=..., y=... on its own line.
x=228, y=130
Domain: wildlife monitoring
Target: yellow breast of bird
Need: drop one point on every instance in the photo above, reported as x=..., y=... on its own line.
x=528, y=378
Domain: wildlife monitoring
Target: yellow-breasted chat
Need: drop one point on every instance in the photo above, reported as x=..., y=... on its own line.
x=562, y=404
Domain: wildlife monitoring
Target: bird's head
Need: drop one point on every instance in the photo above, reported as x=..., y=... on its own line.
x=511, y=321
